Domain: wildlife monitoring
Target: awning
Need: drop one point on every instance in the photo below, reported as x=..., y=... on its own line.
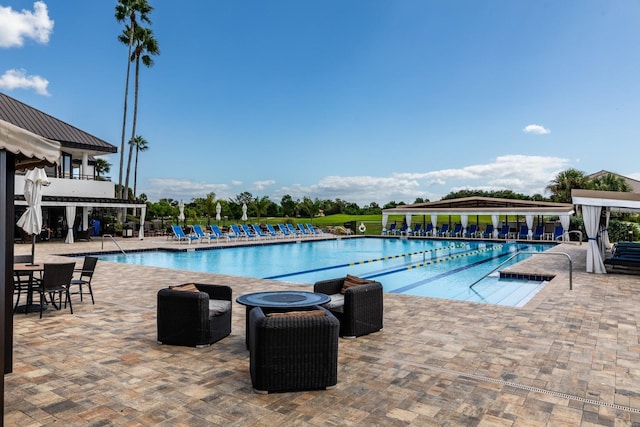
x=31, y=150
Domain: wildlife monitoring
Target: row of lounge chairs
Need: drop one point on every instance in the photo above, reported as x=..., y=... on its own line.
x=473, y=232
x=245, y=232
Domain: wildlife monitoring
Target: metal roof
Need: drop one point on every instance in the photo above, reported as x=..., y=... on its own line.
x=33, y=120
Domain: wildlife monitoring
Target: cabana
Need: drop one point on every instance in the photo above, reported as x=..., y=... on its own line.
x=592, y=203
x=494, y=207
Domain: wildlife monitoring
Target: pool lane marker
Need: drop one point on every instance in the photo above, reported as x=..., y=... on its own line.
x=351, y=264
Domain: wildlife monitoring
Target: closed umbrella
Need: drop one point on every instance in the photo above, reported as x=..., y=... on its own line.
x=244, y=211
x=218, y=210
x=31, y=220
x=181, y=214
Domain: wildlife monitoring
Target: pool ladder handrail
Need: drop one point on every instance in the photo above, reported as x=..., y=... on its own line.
x=531, y=253
x=114, y=241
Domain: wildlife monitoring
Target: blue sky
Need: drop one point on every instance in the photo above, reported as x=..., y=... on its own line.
x=363, y=100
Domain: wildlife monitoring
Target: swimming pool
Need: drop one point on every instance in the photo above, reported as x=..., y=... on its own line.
x=422, y=267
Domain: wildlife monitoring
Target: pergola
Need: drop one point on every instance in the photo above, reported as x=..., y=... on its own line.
x=19, y=149
x=592, y=203
x=475, y=206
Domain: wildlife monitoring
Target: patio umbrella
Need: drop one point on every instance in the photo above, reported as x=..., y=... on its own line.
x=244, y=211
x=218, y=210
x=31, y=220
x=181, y=214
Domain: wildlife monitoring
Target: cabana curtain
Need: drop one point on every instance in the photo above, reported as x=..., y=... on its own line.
x=591, y=215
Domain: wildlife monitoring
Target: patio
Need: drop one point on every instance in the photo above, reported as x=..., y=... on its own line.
x=567, y=358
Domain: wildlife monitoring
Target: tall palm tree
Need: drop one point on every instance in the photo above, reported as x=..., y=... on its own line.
x=610, y=182
x=141, y=145
x=129, y=9
x=564, y=182
x=145, y=46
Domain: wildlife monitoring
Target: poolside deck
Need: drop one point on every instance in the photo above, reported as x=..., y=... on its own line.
x=566, y=358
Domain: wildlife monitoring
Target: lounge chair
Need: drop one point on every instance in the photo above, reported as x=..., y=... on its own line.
x=504, y=232
x=303, y=230
x=403, y=229
x=313, y=230
x=471, y=231
x=285, y=232
x=444, y=231
x=258, y=231
x=273, y=232
x=428, y=230
x=199, y=232
x=292, y=229
x=391, y=230
x=538, y=234
x=488, y=232
x=524, y=232
x=457, y=231
x=218, y=233
x=416, y=230
x=248, y=232
x=180, y=236
x=558, y=232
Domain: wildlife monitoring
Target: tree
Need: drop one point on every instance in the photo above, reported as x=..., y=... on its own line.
x=564, y=182
x=129, y=9
x=261, y=204
x=141, y=144
x=145, y=46
x=288, y=205
x=610, y=182
x=102, y=166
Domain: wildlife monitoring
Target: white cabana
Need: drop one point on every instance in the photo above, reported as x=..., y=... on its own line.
x=592, y=203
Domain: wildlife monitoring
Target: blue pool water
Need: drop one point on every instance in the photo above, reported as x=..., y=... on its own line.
x=431, y=268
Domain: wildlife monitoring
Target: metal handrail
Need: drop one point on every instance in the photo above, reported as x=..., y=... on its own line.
x=114, y=241
x=531, y=253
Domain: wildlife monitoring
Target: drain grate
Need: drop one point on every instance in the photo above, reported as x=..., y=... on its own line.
x=519, y=386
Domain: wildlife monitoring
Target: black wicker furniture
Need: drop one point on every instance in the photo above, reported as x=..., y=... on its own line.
x=194, y=315
x=359, y=308
x=295, y=351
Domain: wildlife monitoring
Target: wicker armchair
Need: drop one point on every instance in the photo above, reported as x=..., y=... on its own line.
x=195, y=319
x=293, y=353
x=362, y=310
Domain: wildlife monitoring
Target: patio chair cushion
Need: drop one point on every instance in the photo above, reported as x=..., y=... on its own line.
x=189, y=287
x=337, y=301
x=304, y=313
x=218, y=306
x=351, y=281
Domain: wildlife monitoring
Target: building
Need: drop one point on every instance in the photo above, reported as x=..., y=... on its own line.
x=76, y=190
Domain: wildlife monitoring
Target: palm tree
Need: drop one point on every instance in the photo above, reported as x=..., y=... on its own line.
x=610, y=182
x=145, y=46
x=102, y=166
x=129, y=9
x=564, y=182
x=141, y=145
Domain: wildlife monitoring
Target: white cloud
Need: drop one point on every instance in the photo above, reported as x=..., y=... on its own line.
x=536, y=129
x=519, y=173
x=15, y=27
x=19, y=79
x=261, y=185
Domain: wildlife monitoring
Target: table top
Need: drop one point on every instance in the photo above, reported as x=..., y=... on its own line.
x=283, y=299
x=26, y=266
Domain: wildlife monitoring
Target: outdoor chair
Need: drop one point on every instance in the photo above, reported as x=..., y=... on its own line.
x=444, y=231
x=488, y=232
x=359, y=308
x=457, y=231
x=194, y=315
x=293, y=351
x=84, y=279
x=471, y=231
x=524, y=232
x=504, y=232
x=56, y=278
x=538, y=234
x=21, y=279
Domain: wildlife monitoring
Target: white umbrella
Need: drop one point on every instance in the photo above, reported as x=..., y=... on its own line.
x=218, y=210
x=31, y=220
x=181, y=207
x=244, y=211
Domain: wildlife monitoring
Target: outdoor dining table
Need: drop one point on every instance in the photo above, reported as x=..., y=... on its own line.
x=280, y=300
x=30, y=268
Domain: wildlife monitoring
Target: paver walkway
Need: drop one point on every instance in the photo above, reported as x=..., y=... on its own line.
x=567, y=358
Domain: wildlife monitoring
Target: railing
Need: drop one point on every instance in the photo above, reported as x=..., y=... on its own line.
x=114, y=241
x=578, y=232
x=531, y=253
